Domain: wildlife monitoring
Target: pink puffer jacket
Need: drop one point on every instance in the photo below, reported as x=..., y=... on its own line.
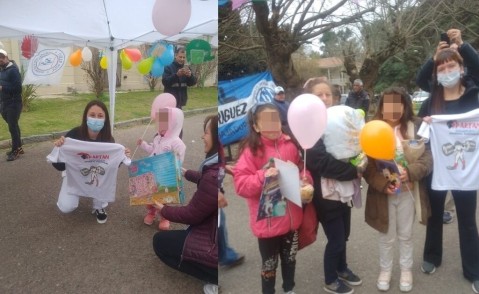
x=248, y=181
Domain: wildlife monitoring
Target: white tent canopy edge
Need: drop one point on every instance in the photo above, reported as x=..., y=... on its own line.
x=110, y=25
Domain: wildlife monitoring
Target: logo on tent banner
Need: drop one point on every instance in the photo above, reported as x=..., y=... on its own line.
x=47, y=62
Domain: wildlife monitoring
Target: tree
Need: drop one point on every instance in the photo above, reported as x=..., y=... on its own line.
x=286, y=25
x=96, y=76
x=407, y=32
x=292, y=24
x=241, y=52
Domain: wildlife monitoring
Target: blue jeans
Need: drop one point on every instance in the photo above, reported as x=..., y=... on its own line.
x=227, y=255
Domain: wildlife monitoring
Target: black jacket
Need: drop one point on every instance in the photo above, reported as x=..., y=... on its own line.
x=469, y=100
x=177, y=86
x=358, y=100
x=11, y=82
x=322, y=164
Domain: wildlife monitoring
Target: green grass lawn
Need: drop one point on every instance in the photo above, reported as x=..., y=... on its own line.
x=60, y=114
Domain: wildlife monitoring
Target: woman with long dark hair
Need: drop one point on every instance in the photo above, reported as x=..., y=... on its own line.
x=194, y=251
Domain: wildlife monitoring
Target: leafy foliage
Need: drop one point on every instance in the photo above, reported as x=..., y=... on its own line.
x=29, y=93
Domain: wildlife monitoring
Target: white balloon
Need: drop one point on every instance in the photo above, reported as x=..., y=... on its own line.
x=86, y=54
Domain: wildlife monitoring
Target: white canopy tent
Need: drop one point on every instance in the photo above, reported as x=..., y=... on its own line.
x=110, y=25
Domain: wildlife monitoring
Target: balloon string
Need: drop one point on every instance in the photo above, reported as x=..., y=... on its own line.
x=304, y=167
x=146, y=129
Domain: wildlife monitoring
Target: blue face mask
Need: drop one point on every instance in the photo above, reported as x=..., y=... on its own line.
x=95, y=124
x=450, y=79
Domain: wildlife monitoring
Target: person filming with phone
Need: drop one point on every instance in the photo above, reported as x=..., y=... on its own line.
x=451, y=76
x=177, y=77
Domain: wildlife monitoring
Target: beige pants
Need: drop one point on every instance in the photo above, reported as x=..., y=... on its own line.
x=401, y=219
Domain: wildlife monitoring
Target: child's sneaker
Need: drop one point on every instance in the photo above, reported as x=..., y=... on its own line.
x=101, y=215
x=149, y=219
x=164, y=224
x=338, y=287
x=349, y=277
x=210, y=289
x=475, y=286
x=405, y=282
x=383, y=280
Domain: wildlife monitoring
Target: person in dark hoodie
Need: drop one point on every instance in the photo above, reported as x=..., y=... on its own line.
x=194, y=251
x=11, y=101
x=453, y=91
x=177, y=77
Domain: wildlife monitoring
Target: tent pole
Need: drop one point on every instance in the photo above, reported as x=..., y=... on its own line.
x=112, y=67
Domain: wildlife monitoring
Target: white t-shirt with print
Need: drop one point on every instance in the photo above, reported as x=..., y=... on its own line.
x=91, y=167
x=454, y=139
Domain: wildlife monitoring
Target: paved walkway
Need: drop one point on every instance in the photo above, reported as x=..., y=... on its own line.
x=362, y=257
x=44, y=251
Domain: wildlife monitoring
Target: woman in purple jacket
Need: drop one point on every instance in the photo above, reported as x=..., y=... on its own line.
x=194, y=251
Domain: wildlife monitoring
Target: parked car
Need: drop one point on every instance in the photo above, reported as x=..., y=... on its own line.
x=419, y=96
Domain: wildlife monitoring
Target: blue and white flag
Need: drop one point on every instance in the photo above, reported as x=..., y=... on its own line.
x=235, y=98
x=46, y=66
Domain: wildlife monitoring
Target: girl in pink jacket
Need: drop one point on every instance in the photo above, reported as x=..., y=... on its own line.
x=170, y=122
x=277, y=233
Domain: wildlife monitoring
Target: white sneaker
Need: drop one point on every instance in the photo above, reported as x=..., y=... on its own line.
x=210, y=289
x=289, y=292
x=383, y=280
x=405, y=282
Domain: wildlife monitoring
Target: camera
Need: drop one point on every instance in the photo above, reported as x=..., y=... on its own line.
x=445, y=38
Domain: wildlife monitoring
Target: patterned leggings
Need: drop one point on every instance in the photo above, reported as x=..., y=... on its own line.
x=286, y=247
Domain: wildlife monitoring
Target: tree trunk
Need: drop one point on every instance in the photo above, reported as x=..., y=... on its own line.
x=279, y=45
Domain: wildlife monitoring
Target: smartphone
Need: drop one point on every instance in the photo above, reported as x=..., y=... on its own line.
x=445, y=38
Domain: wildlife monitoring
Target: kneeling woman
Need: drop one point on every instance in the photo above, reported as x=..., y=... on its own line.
x=194, y=251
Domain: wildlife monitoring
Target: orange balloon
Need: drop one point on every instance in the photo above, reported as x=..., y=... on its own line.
x=75, y=58
x=377, y=140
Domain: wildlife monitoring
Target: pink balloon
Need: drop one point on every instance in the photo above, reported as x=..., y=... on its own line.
x=307, y=119
x=162, y=101
x=170, y=17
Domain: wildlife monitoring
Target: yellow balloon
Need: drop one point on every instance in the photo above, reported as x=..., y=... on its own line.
x=126, y=63
x=125, y=60
x=377, y=140
x=75, y=58
x=104, y=62
x=145, y=65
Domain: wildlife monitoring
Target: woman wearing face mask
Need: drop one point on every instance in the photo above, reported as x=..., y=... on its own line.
x=95, y=127
x=454, y=90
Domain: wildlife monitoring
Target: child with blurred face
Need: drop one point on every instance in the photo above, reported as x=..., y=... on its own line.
x=391, y=205
x=278, y=235
x=268, y=123
x=170, y=122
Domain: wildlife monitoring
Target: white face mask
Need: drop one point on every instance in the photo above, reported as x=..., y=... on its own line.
x=450, y=79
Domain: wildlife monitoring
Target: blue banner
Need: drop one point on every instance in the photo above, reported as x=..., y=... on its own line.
x=235, y=98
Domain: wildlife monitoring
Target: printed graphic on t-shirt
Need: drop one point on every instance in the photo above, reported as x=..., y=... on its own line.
x=453, y=141
x=91, y=167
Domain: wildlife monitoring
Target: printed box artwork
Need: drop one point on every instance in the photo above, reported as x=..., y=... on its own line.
x=156, y=178
x=272, y=203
